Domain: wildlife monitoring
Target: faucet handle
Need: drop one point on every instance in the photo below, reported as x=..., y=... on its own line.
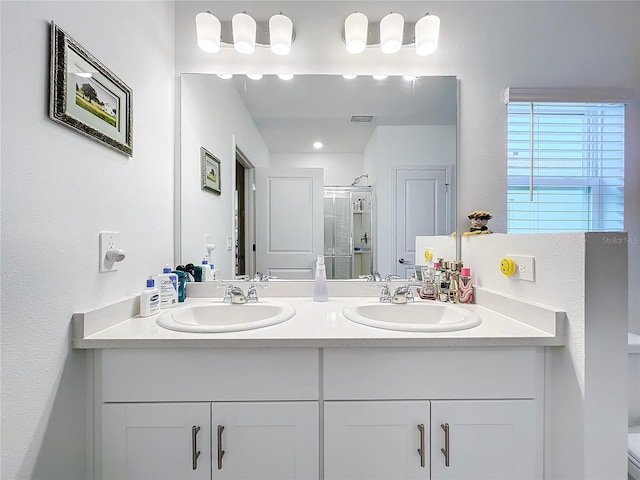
x=252, y=292
x=385, y=294
x=390, y=277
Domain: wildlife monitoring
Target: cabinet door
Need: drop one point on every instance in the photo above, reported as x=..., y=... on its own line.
x=376, y=440
x=270, y=440
x=156, y=441
x=486, y=440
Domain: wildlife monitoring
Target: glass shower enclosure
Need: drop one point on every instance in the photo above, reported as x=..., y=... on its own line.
x=348, y=232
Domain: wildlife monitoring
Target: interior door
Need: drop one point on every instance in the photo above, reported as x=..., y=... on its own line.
x=289, y=224
x=421, y=209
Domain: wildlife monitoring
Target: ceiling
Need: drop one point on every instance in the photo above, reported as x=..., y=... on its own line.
x=292, y=114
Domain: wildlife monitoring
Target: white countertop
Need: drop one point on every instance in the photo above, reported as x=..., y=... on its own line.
x=318, y=325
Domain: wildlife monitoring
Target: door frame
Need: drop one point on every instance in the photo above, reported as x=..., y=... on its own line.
x=250, y=211
x=450, y=215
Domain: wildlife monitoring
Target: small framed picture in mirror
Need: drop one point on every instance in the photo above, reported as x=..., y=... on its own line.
x=210, y=171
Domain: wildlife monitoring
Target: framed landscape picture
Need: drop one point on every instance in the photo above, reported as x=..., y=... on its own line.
x=210, y=171
x=86, y=96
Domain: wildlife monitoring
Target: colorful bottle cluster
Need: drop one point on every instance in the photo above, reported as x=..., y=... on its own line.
x=447, y=282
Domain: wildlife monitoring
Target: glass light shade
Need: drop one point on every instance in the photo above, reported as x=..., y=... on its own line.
x=391, y=31
x=356, y=29
x=349, y=76
x=280, y=34
x=427, y=31
x=254, y=76
x=380, y=77
x=225, y=76
x=244, y=33
x=285, y=76
x=208, y=32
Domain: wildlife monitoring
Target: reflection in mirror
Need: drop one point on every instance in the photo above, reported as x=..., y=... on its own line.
x=392, y=140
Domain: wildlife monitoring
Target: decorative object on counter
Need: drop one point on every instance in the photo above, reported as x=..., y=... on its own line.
x=210, y=171
x=429, y=289
x=479, y=220
x=465, y=286
x=87, y=96
x=320, y=287
x=149, y=299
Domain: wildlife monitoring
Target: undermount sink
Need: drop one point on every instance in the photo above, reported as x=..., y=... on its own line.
x=225, y=317
x=413, y=317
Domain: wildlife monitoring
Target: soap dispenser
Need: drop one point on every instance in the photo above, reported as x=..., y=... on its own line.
x=320, y=287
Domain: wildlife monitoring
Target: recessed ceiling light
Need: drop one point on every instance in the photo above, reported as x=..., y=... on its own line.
x=254, y=76
x=285, y=76
x=380, y=77
x=317, y=145
x=349, y=76
x=225, y=76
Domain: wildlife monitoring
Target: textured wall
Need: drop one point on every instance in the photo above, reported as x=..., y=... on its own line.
x=59, y=190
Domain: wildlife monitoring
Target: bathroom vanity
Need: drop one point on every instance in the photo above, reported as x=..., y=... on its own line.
x=319, y=397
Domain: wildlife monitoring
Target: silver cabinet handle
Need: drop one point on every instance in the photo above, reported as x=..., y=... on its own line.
x=220, y=450
x=195, y=453
x=445, y=450
x=421, y=451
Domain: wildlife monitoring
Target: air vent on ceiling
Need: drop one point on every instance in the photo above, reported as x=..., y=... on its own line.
x=361, y=118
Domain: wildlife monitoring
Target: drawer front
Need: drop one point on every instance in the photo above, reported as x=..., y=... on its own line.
x=433, y=373
x=144, y=375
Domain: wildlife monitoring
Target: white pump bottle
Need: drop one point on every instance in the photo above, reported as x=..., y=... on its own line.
x=320, y=287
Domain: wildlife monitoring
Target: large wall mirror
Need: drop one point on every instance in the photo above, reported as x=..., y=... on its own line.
x=385, y=172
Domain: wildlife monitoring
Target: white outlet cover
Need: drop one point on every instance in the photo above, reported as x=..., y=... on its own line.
x=525, y=267
x=108, y=240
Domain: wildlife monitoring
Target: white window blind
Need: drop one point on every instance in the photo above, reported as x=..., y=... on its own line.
x=565, y=167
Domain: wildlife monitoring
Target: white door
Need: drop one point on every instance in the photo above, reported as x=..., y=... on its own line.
x=422, y=208
x=376, y=440
x=156, y=441
x=261, y=441
x=487, y=439
x=289, y=223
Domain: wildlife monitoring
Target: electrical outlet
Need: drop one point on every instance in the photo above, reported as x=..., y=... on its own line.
x=525, y=267
x=108, y=241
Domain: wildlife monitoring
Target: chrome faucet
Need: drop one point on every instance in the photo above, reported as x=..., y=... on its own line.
x=261, y=277
x=403, y=295
x=234, y=295
x=385, y=295
x=252, y=293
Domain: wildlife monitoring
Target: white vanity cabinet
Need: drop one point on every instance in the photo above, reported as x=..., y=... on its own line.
x=319, y=413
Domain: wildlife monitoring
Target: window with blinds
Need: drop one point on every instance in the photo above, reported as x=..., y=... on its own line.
x=565, y=167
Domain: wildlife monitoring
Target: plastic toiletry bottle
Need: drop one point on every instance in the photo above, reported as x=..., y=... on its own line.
x=320, y=287
x=429, y=289
x=167, y=283
x=149, y=299
x=206, y=270
x=182, y=280
x=465, y=286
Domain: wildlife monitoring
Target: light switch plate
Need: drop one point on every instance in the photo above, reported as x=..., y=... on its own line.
x=108, y=240
x=525, y=267
x=229, y=243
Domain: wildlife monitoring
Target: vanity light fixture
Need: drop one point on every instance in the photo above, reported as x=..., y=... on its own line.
x=225, y=76
x=285, y=76
x=409, y=78
x=317, y=145
x=349, y=76
x=254, y=76
x=391, y=34
x=391, y=31
x=380, y=77
x=244, y=34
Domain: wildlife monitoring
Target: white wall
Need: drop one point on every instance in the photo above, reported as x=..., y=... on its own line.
x=59, y=189
x=213, y=116
x=584, y=275
x=488, y=46
x=340, y=169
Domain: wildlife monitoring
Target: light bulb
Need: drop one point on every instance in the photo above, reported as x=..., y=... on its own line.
x=254, y=76
x=225, y=76
x=427, y=31
x=356, y=30
x=244, y=33
x=391, y=31
x=317, y=145
x=349, y=76
x=280, y=34
x=285, y=76
x=208, y=32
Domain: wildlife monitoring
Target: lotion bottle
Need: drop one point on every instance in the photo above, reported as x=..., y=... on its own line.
x=320, y=287
x=149, y=299
x=167, y=283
